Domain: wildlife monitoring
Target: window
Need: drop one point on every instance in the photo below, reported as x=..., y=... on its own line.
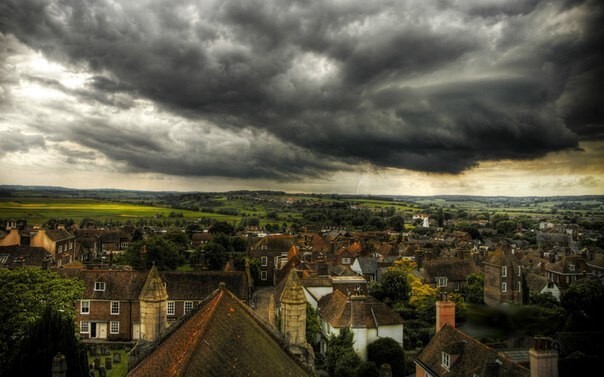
x=504, y=271
x=171, y=308
x=571, y=267
x=115, y=307
x=519, y=271
x=264, y=261
x=124, y=245
x=60, y=248
x=84, y=327
x=441, y=282
x=262, y=275
x=188, y=306
x=84, y=307
x=504, y=287
x=263, y=248
x=345, y=260
x=99, y=286
x=446, y=360
x=114, y=327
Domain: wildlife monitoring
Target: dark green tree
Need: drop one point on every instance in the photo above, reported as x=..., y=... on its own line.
x=367, y=369
x=341, y=360
x=313, y=327
x=165, y=254
x=474, y=289
x=25, y=293
x=54, y=332
x=393, y=288
x=387, y=350
x=222, y=227
x=397, y=223
x=583, y=302
x=216, y=255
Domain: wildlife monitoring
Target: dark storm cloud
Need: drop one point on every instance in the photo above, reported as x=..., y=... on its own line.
x=387, y=83
x=15, y=141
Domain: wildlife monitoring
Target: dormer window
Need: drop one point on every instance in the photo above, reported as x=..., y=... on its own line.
x=446, y=360
x=504, y=271
x=99, y=286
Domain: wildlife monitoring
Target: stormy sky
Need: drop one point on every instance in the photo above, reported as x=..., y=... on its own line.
x=486, y=97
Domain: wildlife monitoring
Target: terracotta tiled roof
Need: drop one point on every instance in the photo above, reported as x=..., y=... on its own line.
x=472, y=357
x=220, y=337
x=341, y=311
x=453, y=269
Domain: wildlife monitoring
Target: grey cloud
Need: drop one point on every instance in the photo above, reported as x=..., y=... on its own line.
x=15, y=141
x=249, y=66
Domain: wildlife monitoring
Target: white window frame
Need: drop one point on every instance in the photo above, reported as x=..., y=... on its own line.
x=114, y=312
x=440, y=280
x=519, y=271
x=187, y=304
x=519, y=286
x=264, y=261
x=504, y=271
x=571, y=267
x=446, y=360
x=263, y=275
x=85, y=303
x=84, y=327
x=171, y=308
x=99, y=286
x=504, y=287
x=345, y=260
x=114, y=327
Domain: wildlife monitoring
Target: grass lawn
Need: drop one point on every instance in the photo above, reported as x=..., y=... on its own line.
x=39, y=210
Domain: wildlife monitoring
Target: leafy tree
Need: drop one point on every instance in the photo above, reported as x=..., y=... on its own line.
x=545, y=300
x=393, y=288
x=397, y=223
x=165, y=254
x=367, y=369
x=341, y=360
x=583, y=301
x=313, y=327
x=216, y=255
x=387, y=350
x=54, y=332
x=25, y=293
x=474, y=289
x=239, y=244
x=222, y=227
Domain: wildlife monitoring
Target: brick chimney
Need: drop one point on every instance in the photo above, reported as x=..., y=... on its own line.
x=445, y=312
x=543, y=358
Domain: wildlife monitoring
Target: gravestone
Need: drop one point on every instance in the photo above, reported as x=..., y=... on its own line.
x=108, y=363
x=97, y=363
x=117, y=358
x=102, y=372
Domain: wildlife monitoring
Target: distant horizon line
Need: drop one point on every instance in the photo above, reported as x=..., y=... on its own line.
x=17, y=187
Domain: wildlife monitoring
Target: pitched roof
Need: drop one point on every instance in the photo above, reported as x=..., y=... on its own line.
x=199, y=284
x=341, y=311
x=219, y=337
x=154, y=288
x=535, y=282
x=58, y=234
x=369, y=265
x=276, y=242
x=119, y=285
x=22, y=255
x=453, y=269
x=474, y=358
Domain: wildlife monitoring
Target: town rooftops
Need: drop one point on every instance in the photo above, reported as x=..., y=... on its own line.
x=219, y=337
x=453, y=269
x=467, y=357
x=340, y=310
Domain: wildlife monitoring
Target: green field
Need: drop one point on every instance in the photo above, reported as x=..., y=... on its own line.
x=39, y=210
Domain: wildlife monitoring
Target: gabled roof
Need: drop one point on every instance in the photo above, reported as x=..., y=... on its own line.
x=563, y=265
x=119, y=285
x=16, y=255
x=199, y=284
x=276, y=242
x=453, y=269
x=368, y=265
x=219, y=337
x=341, y=311
x=58, y=234
x=535, y=282
x=473, y=357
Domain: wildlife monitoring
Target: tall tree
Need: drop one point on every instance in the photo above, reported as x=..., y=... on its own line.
x=388, y=351
x=25, y=293
x=341, y=359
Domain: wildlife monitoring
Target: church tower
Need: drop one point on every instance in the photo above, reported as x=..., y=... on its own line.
x=293, y=311
x=153, y=306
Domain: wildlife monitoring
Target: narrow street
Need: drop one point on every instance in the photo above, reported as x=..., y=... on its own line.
x=262, y=295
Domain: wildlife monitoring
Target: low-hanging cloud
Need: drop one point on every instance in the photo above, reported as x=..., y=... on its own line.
x=304, y=88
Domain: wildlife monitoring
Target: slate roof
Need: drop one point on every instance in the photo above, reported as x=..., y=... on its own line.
x=341, y=311
x=453, y=269
x=187, y=285
x=535, y=282
x=473, y=357
x=369, y=265
x=562, y=266
x=16, y=255
x=219, y=337
x=58, y=234
x=119, y=285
